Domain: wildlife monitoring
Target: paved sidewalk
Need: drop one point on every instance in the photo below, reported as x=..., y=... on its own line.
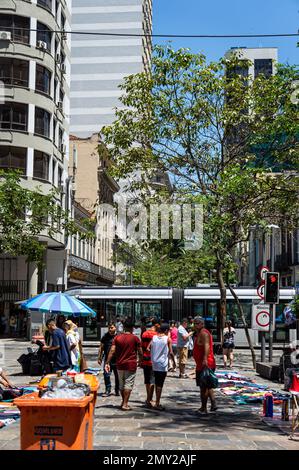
x=178, y=427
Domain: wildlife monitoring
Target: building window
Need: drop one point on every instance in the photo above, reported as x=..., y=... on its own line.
x=62, y=23
x=53, y=171
x=18, y=26
x=54, y=131
x=14, y=116
x=45, y=4
x=60, y=138
x=14, y=72
x=44, y=34
x=41, y=165
x=55, y=90
x=60, y=172
x=42, y=122
x=13, y=158
x=43, y=79
x=56, y=9
x=263, y=67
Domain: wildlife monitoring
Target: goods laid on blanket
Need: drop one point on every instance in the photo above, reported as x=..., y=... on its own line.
x=9, y=413
x=245, y=391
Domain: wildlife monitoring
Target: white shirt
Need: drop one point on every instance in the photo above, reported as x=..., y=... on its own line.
x=159, y=353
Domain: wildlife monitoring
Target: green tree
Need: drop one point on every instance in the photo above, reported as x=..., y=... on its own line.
x=220, y=136
x=25, y=214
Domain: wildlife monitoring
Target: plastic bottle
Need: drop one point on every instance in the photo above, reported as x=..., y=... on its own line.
x=269, y=405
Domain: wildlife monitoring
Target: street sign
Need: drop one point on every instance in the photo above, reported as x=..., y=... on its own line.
x=260, y=291
x=260, y=317
x=263, y=271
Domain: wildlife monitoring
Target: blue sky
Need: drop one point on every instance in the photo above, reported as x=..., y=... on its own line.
x=229, y=17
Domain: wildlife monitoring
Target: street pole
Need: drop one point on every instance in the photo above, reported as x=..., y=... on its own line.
x=263, y=346
x=271, y=305
x=271, y=333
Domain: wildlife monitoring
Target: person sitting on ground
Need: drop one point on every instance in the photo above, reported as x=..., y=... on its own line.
x=161, y=348
x=4, y=380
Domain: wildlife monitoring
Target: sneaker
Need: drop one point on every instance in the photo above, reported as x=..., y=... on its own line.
x=117, y=394
x=183, y=376
x=106, y=394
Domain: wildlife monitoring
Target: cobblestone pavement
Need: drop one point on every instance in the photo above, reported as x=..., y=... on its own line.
x=178, y=427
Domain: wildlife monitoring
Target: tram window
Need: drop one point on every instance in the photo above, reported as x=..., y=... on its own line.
x=118, y=308
x=147, y=309
x=212, y=313
x=232, y=313
x=198, y=309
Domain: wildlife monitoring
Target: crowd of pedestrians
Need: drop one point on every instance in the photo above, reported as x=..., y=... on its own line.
x=161, y=349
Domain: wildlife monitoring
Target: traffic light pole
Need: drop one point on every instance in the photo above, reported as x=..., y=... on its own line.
x=263, y=346
x=271, y=333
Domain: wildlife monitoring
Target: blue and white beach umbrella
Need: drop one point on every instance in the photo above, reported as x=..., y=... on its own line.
x=56, y=302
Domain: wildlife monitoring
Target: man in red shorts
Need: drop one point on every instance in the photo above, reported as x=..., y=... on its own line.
x=204, y=357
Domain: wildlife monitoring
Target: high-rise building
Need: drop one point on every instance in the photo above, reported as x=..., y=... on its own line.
x=34, y=124
x=100, y=62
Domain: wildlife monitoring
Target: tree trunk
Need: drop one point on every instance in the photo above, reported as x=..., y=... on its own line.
x=222, y=288
x=241, y=311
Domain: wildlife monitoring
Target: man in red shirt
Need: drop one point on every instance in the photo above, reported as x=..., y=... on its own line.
x=204, y=357
x=125, y=346
x=149, y=378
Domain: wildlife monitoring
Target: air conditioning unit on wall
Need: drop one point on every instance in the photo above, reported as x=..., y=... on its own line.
x=5, y=36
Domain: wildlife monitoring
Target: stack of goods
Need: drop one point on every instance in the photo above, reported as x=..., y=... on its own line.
x=244, y=391
x=9, y=413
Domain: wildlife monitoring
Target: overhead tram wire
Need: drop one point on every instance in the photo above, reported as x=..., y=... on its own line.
x=190, y=36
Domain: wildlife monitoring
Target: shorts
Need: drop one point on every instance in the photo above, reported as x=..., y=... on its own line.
x=228, y=346
x=174, y=349
x=198, y=372
x=149, y=377
x=183, y=355
x=126, y=379
x=160, y=378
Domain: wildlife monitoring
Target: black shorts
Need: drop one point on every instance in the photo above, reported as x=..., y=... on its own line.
x=228, y=346
x=149, y=378
x=198, y=372
x=160, y=378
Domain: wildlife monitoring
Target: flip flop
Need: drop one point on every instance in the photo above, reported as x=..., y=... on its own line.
x=126, y=409
x=148, y=405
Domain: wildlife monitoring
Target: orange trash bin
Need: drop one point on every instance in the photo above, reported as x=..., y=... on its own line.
x=55, y=424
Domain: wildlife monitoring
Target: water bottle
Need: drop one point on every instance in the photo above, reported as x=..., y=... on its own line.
x=285, y=410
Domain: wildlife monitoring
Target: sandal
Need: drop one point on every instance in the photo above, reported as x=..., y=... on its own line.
x=128, y=408
x=148, y=404
x=159, y=408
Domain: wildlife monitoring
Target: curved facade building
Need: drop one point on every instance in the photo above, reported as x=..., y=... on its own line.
x=34, y=111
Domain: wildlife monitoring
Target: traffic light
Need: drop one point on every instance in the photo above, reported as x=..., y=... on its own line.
x=271, y=288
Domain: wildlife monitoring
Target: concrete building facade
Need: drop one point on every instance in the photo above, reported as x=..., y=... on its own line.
x=99, y=63
x=34, y=125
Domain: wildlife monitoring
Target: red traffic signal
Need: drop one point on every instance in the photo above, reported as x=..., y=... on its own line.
x=272, y=288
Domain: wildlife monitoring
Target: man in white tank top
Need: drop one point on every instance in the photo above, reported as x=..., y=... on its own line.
x=161, y=348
